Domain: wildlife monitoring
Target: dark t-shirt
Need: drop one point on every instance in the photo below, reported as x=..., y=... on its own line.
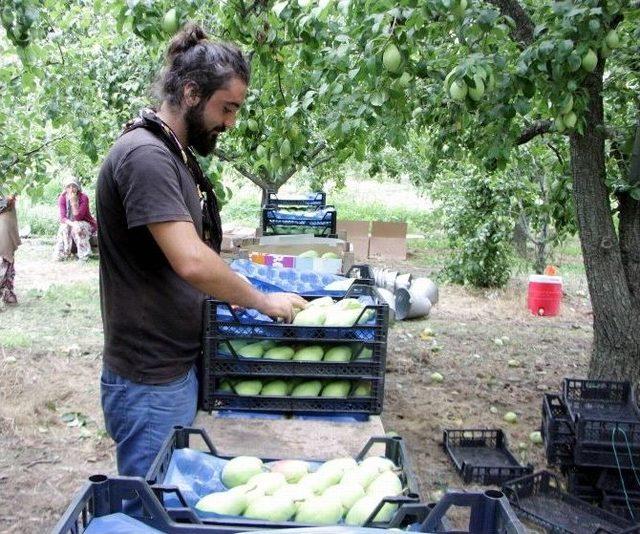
x=152, y=318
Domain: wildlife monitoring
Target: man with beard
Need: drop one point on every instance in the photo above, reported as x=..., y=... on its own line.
x=159, y=240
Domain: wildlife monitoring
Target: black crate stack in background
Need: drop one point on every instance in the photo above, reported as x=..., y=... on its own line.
x=591, y=431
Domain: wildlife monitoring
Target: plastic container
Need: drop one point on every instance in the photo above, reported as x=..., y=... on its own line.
x=556, y=430
x=309, y=221
x=181, y=438
x=606, y=423
x=221, y=322
x=544, y=295
x=98, y=508
x=615, y=482
x=411, y=304
x=581, y=482
x=600, y=399
x=619, y=505
x=221, y=360
x=539, y=498
x=482, y=456
x=310, y=199
x=215, y=398
x=489, y=513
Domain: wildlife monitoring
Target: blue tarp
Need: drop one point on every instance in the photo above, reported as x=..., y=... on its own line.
x=118, y=524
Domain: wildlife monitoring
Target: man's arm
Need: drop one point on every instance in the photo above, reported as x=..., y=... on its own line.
x=200, y=266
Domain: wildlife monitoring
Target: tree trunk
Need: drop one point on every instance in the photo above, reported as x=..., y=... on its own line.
x=616, y=313
x=520, y=237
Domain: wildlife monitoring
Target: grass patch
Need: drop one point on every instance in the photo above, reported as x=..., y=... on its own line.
x=14, y=339
x=42, y=218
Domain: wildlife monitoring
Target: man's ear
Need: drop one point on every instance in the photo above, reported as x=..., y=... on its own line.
x=190, y=94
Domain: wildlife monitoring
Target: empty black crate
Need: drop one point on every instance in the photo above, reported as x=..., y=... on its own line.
x=604, y=417
x=482, y=456
x=601, y=400
x=596, y=440
x=556, y=431
x=539, y=498
x=182, y=438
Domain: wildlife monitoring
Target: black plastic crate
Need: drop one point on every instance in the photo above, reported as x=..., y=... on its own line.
x=540, y=499
x=616, y=482
x=103, y=496
x=311, y=199
x=224, y=360
x=489, y=512
x=606, y=443
x=626, y=508
x=582, y=483
x=556, y=431
x=482, y=456
x=395, y=451
x=217, y=399
x=276, y=223
x=600, y=400
x=217, y=327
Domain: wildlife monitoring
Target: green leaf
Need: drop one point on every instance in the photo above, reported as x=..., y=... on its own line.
x=279, y=7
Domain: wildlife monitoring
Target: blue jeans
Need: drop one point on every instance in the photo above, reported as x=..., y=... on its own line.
x=139, y=417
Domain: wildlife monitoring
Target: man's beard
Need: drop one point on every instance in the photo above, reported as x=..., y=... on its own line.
x=203, y=141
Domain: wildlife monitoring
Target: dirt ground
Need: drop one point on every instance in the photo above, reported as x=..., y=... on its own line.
x=52, y=433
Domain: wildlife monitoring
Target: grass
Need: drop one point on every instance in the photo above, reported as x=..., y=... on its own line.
x=59, y=317
x=42, y=218
x=14, y=339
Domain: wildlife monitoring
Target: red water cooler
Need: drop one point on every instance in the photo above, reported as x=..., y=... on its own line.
x=544, y=294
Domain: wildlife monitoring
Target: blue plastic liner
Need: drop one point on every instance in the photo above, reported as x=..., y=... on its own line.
x=272, y=279
x=118, y=524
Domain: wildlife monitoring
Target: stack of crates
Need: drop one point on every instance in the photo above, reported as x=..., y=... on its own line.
x=349, y=360
x=307, y=214
x=592, y=432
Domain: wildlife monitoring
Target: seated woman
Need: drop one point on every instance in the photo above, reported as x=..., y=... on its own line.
x=76, y=223
x=9, y=242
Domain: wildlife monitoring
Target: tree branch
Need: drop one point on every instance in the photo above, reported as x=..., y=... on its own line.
x=321, y=161
x=321, y=146
x=244, y=172
x=284, y=100
x=557, y=153
x=33, y=151
x=536, y=129
x=523, y=32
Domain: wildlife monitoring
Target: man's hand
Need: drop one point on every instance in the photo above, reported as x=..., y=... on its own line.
x=282, y=305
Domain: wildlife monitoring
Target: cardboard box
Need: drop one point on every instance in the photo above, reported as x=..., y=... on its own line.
x=233, y=235
x=357, y=233
x=388, y=240
x=376, y=239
